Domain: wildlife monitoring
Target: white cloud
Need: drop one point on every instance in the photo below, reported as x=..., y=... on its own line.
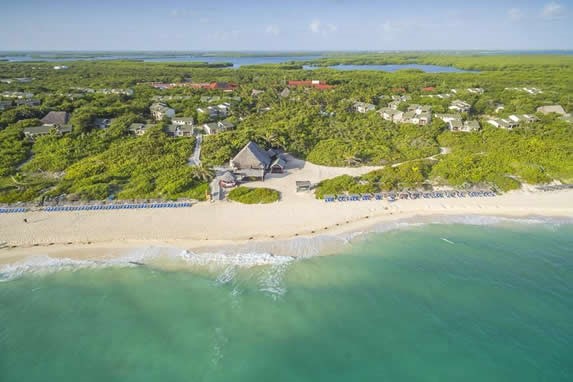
x=552, y=11
x=204, y=20
x=273, y=30
x=515, y=14
x=316, y=26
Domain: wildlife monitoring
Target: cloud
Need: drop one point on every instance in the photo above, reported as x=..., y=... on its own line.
x=273, y=30
x=316, y=26
x=515, y=14
x=553, y=11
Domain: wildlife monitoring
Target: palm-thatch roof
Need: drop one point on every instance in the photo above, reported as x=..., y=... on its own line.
x=59, y=118
x=251, y=156
x=227, y=177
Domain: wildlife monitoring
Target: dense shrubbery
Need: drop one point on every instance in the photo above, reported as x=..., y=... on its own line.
x=249, y=195
x=407, y=176
x=317, y=125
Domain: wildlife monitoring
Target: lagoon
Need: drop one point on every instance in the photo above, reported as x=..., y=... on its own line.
x=395, y=67
x=237, y=60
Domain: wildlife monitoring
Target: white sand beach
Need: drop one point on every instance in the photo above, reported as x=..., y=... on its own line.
x=222, y=223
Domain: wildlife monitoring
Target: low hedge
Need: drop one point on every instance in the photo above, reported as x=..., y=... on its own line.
x=248, y=195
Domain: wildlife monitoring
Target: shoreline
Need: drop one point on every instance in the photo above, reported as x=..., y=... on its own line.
x=208, y=228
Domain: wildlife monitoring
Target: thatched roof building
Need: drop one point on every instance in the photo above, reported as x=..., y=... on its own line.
x=251, y=157
x=56, y=118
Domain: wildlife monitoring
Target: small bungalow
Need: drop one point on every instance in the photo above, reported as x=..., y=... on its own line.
x=391, y=115
x=456, y=125
x=183, y=121
x=218, y=127
x=503, y=123
x=38, y=131
x=179, y=130
x=56, y=118
x=363, y=107
x=160, y=110
x=278, y=166
x=557, y=109
x=28, y=102
x=460, y=106
x=470, y=126
x=139, y=129
x=227, y=180
x=448, y=117
x=394, y=105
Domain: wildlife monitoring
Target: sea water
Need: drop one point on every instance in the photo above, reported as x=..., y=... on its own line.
x=432, y=302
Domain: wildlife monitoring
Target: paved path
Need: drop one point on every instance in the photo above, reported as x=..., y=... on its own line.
x=195, y=159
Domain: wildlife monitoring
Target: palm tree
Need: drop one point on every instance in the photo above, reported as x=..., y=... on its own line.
x=352, y=160
x=203, y=173
x=270, y=138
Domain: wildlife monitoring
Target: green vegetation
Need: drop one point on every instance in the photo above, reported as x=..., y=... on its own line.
x=248, y=195
x=409, y=176
x=319, y=126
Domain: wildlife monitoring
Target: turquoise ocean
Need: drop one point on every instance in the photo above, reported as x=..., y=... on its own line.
x=487, y=300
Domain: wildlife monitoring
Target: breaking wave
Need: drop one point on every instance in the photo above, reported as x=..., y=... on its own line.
x=276, y=255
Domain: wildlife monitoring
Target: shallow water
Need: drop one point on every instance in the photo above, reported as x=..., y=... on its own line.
x=445, y=302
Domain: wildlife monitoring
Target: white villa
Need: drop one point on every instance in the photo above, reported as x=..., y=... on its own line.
x=363, y=107
x=460, y=106
x=160, y=110
x=391, y=115
x=183, y=121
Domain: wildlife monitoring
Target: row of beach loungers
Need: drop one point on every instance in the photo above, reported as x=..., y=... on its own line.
x=13, y=210
x=116, y=206
x=408, y=195
x=557, y=187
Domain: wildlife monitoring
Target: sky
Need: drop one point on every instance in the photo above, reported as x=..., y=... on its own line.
x=275, y=25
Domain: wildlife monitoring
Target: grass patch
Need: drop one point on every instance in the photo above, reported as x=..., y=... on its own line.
x=248, y=195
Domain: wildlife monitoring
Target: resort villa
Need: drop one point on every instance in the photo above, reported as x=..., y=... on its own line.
x=363, y=107
x=217, y=127
x=160, y=110
x=179, y=130
x=56, y=122
x=183, y=121
x=460, y=106
x=139, y=129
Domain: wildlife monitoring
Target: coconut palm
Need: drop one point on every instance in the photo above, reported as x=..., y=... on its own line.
x=203, y=173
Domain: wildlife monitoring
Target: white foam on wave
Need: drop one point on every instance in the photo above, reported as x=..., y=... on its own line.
x=496, y=220
x=45, y=264
x=240, y=259
x=42, y=265
x=271, y=253
x=272, y=283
